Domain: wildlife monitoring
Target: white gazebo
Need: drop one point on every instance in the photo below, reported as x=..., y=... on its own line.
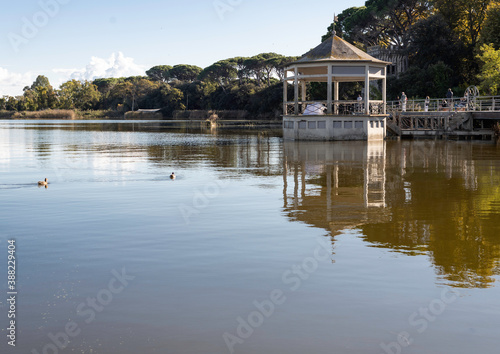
x=334, y=61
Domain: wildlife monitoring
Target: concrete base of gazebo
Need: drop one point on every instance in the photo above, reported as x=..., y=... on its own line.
x=333, y=127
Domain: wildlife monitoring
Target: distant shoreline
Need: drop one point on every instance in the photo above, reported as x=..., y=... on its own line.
x=215, y=117
x=178, y=121
x=63, y=114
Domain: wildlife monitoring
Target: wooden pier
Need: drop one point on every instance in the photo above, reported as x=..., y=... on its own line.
x=476, y=123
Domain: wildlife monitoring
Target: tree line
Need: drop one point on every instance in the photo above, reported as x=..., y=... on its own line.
x=448, y=43
x=246, y=83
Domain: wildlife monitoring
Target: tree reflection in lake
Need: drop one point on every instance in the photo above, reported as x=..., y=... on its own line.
x=422, y=197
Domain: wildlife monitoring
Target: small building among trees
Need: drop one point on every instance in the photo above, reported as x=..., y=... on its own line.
x=394, y=54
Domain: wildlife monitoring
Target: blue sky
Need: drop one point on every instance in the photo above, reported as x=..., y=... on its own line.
x=64, y=39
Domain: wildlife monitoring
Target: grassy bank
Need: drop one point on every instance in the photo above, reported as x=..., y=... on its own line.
x=138, y=115
x=68, y=114
x=224, y=115
x=61, y=114
x=46, y=114
x=99, y=115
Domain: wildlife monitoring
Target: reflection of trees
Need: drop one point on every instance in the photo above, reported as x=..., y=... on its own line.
x=40, y=144
x=447, y=206
x=440, y=199
x=254, y=153
x=244, y=150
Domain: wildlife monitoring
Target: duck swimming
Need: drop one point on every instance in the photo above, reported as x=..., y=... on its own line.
x=172, y=176
x=43, y=183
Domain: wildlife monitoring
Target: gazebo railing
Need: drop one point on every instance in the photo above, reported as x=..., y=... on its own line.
x=376, y=107
x=341, y=108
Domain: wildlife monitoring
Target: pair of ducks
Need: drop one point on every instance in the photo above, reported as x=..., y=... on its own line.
x=45, y=182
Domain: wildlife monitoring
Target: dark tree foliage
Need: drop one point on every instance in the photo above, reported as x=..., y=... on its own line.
x=431, y=40
x=183, y=72
x=159, y=73
x=490, y=34
x=267, y=101
x=444, y=32
x=347, y=90
x=41, y=82
x=380, y=22
x=433, y=81
x=222, y=72
x=466, y=18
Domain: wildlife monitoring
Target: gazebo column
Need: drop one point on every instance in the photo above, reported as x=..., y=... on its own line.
x=384, y=95
x=296, y=91
x=336, y=96
x=367, y=90
x=303, y=91
x=285, y=94
x=329, y=91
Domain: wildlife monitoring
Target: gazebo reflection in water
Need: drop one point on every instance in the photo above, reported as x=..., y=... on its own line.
x=335, y=185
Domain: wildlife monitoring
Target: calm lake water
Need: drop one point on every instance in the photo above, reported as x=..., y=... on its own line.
x=258, y=246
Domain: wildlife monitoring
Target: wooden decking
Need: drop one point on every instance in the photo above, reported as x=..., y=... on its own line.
x=455, y=124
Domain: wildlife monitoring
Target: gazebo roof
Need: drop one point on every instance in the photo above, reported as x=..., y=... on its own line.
x=339, y=50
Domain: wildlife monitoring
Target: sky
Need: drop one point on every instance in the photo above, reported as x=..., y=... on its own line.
x=89, y=39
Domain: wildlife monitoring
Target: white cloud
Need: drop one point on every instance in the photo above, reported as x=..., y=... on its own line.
x=12, y=84
x=117, y=65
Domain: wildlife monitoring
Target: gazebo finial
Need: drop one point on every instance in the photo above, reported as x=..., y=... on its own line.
x=335, y=19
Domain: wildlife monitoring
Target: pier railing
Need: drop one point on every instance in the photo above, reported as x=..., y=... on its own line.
x=402, y=122
x=481, y=103
x=354, y=107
